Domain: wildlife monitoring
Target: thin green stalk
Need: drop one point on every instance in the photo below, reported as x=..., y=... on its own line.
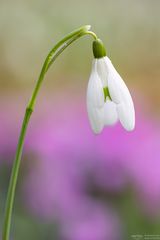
x=53, y=54
x=14, y=176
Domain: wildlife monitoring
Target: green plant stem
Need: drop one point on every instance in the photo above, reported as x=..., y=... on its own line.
x=14, y=176
x=53, y=54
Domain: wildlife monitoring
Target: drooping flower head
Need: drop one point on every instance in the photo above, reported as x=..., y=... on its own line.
x=108, y=98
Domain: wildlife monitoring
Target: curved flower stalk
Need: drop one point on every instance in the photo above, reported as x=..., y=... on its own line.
x=108, y=98
x=51, y=57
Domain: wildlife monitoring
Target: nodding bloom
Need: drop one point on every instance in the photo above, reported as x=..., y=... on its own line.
x=108, y=98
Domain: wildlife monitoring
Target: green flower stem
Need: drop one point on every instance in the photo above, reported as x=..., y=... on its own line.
x=53, y=54
x=14, y=176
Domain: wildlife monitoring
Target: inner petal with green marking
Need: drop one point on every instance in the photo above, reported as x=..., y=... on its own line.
x=106, y=93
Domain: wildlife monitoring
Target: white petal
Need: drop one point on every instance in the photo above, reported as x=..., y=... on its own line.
x=126, y=115
x=102, y=71
x=117, y=88
x=95, y=95
x=110, y=113
x=96, y=117
x=121, y=95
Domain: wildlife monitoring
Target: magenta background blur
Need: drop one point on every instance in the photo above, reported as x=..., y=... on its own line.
x=74, y=185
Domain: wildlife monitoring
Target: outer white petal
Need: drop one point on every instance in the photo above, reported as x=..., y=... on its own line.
x=110, y=113
x=95, y=95
x=96, y=117
x=121, y=95
x=102, y=71
x=126, y=115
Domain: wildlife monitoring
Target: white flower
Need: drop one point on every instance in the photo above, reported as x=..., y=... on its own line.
x=108, y=98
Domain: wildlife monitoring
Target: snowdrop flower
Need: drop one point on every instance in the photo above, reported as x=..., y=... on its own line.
x=108, y=98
